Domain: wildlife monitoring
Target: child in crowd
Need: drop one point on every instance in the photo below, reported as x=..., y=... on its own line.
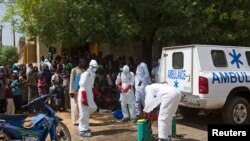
x=65, y=86
x=56, y=80
x=16, y=92
x=41, y=84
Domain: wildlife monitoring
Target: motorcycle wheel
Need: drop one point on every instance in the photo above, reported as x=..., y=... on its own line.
x=62, y=132
x=4, y=136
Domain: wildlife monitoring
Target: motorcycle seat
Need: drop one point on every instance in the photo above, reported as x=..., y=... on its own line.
x=13, y=117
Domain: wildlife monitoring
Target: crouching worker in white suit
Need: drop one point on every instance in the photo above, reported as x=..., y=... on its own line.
x=124, y=83
x=165, y=98
x=86, y=98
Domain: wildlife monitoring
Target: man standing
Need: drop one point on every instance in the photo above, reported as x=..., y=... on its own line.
x=32, y=79
x=29, y=69
x=125, y=83
x=86, y=98
x=142, y=79
x=56, y=81
x=167, y=99
x=2, y=93
x=73, y=89
x=47, y=74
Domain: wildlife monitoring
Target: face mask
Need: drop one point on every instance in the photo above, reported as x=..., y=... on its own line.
x=125, y=72
x=94, y=69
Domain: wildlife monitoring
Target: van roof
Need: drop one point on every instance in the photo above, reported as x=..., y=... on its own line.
x=200, y=45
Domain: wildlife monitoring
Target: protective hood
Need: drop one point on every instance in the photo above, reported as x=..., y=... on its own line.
x=125, y=69
x=93, y=65
x=46, y=60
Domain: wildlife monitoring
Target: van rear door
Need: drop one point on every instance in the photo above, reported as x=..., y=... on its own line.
x=178, y=68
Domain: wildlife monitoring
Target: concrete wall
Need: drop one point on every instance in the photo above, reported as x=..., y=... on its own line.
x=156, y=52
x=130, y=48
x=123, y=50
x=104, y=48
x=133, y=49
x=42, y=49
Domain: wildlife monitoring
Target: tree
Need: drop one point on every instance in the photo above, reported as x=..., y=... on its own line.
x=170, y=22
x=220, y=22
x=8, y=55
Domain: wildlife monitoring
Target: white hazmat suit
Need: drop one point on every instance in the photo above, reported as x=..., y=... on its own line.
x=47, y=62
x=168, y=99
x=86, y=98
x=125, y=82
x=142, y=79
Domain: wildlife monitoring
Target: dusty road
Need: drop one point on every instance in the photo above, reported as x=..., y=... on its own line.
x=105, y=128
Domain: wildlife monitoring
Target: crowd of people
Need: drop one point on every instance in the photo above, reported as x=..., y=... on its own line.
x=92, y=83
x=20, y=84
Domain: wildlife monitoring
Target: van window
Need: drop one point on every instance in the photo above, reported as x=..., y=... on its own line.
x=219, y=58
x=248, y=57
x=177, y=60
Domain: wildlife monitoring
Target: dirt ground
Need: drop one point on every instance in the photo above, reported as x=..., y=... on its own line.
x=106, y=128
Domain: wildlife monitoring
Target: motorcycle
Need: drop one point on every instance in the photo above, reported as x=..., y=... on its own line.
x=12, y=126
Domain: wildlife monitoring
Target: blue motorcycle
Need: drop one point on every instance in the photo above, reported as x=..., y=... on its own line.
x=12, y=126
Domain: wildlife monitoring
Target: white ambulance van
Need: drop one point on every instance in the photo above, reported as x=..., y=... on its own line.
x=211, y=77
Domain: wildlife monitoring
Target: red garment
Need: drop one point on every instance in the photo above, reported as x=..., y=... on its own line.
x=41, y=86
x=61, y=62
x=84, y=98
x=96, y=92
x=8, y=93
x=151, y=117
x=127, y=88
x=119, y=86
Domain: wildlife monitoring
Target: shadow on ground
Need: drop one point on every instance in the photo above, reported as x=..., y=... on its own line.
x=106, y=119
x=179, y=137
x=200, y=121
x=113, y=131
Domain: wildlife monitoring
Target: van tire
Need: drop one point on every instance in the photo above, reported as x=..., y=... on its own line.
x=187, y=112
x=236, y=111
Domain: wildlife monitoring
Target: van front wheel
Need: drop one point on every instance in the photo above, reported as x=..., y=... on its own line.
x=236, y=111
x=187, y=112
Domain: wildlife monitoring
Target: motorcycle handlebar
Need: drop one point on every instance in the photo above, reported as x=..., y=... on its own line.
x=26, y=105
x=38, y=99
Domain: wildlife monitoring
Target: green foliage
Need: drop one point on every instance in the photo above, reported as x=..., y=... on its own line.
x=217, y=22
x=8, y=55
x=168, y=22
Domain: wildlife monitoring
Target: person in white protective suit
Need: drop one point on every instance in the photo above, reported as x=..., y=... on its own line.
x=166, y=98
x=142, y=79
x=86, y=98
x=75, y=72
x=155, y=71
x=47, y=62
x=124, y=83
